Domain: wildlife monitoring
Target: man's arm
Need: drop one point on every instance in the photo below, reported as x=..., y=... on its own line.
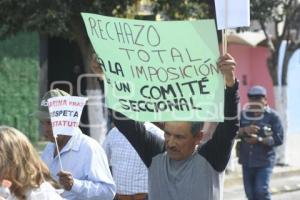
x=276, y=138
x=273, y=138
x=97, y=181
x=217, y=150
x=146, y=144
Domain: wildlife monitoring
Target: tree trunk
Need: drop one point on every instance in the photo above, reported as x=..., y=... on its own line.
x=277, y=90
x=81, y=38
x=97, y=115
x=95, y=103
x=43, y=70
x=280, y=96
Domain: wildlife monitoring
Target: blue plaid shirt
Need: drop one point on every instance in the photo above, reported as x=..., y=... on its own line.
x=259, y=154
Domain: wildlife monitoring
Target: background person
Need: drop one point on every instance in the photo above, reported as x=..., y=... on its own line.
x=260, y=132
x=86, y=173
x=22, y=166
x=128, y=170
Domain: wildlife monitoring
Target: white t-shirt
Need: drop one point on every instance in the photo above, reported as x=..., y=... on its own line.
x=45, y=192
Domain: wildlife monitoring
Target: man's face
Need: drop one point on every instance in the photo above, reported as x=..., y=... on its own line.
x=257, y=103
x=47, y=126
x=180, y=143
x=48, y=133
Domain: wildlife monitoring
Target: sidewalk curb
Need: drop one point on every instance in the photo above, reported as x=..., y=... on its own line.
x=233, y=181
x=284, y=189
x=290, y=172
x=237, y=179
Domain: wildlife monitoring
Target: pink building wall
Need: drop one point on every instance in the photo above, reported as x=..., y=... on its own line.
x=252, y=69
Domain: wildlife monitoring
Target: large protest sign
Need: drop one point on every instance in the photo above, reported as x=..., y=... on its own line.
x=159, y=71
x=65, y=113
x=232, y=13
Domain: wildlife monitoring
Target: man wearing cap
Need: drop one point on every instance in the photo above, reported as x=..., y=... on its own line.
x=85, y=173
x=260, y=131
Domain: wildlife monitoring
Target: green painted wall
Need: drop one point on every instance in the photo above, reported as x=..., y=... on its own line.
x=19, y=82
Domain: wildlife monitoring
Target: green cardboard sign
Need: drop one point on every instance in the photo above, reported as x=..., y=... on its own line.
x=159, y=71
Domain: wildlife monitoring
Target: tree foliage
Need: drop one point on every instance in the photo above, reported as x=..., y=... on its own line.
x=180, y=10
x=55, y=17
x=284, y=17
x=18, y=80
x=51, y=17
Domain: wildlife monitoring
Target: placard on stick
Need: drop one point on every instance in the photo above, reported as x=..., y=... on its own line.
x=65, y=113
x=232, y=13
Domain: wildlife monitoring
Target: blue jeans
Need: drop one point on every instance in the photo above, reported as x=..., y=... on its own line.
x=256, y=182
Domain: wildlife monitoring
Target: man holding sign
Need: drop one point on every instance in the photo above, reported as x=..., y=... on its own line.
x=77, y=161
x=154, y=72
x=178, y=170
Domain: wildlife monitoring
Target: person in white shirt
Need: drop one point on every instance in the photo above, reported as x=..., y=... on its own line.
x=21, y=167
x=129, y=171
x=85, y=174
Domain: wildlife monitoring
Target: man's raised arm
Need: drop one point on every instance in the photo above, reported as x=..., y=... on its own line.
x=217, y=150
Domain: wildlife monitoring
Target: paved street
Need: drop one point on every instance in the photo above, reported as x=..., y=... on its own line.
x=288, y=196
x=295, y=195
x=280, y=186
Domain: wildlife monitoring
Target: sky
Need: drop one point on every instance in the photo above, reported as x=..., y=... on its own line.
x=293, y=92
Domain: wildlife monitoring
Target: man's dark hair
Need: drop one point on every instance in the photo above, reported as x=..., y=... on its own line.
x=196, y=127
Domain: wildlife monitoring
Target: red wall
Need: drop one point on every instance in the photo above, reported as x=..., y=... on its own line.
x=252, y=69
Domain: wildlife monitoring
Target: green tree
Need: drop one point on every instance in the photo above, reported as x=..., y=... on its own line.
x=62, y=17
x=18, y=80
x=187, y=9
x=56, y=18
x=279, y=19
